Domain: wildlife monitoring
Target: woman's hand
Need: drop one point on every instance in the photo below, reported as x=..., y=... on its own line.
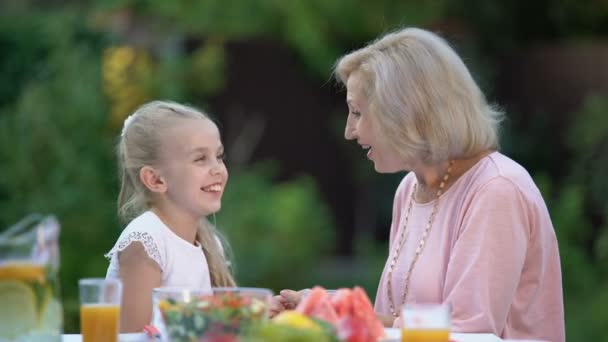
x=286, y=300
x=276, y=306
x=291, y=298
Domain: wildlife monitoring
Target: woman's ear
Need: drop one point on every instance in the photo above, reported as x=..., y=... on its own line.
x=151, y=179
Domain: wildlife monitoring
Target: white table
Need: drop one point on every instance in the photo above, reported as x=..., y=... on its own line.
x=123, y=338
x=394, y=335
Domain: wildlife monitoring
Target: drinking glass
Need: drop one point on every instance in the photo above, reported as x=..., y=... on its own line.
x=425, y=323
x=100, y=309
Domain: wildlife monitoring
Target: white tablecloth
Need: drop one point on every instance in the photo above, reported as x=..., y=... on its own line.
x=122, y=338
x=394, y=335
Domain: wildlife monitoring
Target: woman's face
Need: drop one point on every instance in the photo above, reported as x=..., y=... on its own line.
x=360, y=127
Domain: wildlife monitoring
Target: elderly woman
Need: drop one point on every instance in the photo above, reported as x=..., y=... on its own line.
x=470, y=227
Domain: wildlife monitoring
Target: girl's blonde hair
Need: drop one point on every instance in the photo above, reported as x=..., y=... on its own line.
x=422, y=98
x=139, y=145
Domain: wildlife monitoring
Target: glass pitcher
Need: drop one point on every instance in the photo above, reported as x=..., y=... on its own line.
x=30, y=307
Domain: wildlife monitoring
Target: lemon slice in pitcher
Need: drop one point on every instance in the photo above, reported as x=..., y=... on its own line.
x=18, y=315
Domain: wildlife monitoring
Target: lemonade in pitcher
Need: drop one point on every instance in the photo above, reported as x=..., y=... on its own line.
x=29, y=299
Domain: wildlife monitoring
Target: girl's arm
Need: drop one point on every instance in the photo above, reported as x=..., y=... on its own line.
x=139, y=275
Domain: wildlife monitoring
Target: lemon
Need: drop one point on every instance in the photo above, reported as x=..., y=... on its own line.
x=297, y=320
x=164, y=305
x=18, y=315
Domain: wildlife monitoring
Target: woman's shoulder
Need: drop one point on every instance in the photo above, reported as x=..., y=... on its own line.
x=403, y=190
x=507, y=167
x=405, y=185
x=499, y=172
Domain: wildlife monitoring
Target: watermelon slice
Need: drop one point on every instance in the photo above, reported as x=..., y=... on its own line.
x=317, y=304
x=350, y=311
x=354, y=329
x=341, y=302
x=362, y=307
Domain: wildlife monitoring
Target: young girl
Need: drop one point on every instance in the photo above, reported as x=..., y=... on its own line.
x=173, y=175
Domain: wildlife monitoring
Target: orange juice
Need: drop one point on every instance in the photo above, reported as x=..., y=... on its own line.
x=99, y=322
x=425, y=335
x=23, y=271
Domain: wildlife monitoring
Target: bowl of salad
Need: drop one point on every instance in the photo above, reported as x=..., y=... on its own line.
x=219, y=314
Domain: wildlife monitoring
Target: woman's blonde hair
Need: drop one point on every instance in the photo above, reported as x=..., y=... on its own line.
x=139, y=145
x=422, y=98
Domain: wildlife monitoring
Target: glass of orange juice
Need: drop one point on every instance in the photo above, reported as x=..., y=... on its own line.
x=425, y=323
x=100, y=309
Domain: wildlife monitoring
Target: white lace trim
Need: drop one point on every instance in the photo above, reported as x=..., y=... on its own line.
x=146, y=240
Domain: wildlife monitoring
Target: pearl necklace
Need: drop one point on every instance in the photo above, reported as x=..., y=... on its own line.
x=421, y=244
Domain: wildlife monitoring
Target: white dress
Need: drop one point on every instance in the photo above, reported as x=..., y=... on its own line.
x=182, y=264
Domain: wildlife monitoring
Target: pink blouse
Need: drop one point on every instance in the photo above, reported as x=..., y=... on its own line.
x=491, y=253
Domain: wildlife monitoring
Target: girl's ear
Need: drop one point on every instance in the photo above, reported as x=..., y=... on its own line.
x=151, y=179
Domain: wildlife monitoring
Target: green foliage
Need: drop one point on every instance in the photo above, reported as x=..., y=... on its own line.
x=319, y=30
x=279, y=232
x=578, y=209
x=502, y=26
x=588, y=139
x=207, y=68
x=54, y=149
